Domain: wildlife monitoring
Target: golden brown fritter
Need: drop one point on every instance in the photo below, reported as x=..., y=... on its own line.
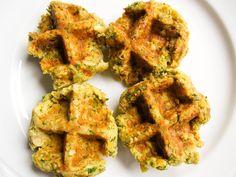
x=68, y=44
x=159, y=120
x=148, y=35
x=70, y=130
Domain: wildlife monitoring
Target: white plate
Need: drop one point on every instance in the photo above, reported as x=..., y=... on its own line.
x=210, y=62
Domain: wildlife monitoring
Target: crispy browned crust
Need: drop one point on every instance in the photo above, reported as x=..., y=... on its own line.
x=148, y=35
x=70, y=130
x=159, y=120
x=68, y=44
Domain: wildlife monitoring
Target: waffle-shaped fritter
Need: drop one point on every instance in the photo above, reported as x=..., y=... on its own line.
x=159, y=120
x=68, y=44
x=148, y=35
x=71, y=129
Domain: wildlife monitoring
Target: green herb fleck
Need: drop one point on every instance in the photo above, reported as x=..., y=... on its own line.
x=91, y=170
x=91, y=131
x=78, y=66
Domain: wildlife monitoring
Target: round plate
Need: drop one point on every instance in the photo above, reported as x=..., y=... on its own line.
x=210, y=63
